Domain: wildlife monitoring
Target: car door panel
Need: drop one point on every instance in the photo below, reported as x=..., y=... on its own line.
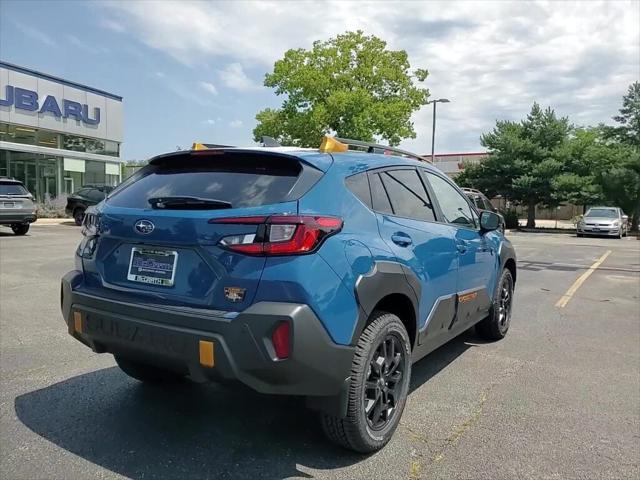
x=425, y=248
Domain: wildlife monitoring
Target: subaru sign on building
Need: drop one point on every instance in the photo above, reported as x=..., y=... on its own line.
x=57, y=135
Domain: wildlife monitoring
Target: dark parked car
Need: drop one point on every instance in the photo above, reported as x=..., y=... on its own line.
x=17, y=209
x=87, y=196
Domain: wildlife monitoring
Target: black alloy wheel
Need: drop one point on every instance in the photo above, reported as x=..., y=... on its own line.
x=384, y=382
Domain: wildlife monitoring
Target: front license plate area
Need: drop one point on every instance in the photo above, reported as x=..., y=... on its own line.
x=152, y=266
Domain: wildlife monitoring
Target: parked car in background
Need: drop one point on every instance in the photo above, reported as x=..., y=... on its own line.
x=481, y=201
x=88, y=195
x=610, y=221
x=318, y=273
x=17, y=208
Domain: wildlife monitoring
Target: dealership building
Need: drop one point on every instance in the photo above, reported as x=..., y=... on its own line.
x=57, y=135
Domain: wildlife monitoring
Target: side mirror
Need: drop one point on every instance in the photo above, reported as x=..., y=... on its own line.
x=625, y=218
x=489, y=221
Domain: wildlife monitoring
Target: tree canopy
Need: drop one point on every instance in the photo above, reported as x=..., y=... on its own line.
x=523, y=159
x=543, y=160
x=351, y=85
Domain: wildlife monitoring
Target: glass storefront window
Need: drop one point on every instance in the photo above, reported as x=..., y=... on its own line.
x=4, y=163
x=47, y=138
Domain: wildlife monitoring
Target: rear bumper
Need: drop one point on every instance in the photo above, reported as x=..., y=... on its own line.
x=170, y=337
x=603, y=231
x=11, y=218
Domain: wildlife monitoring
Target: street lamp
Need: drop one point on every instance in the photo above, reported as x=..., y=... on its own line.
x=433, y=132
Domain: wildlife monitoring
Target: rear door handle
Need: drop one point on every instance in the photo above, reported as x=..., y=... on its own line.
x=401, y=239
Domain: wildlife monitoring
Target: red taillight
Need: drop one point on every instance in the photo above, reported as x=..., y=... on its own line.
x=280, y=234
x=281, y=339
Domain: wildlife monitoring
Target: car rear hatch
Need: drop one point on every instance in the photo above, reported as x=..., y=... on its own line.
x=162, y=233
x=14, y=197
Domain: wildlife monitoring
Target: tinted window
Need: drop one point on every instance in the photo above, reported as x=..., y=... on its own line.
x=95, y=194
x=379, y=195
x=487, y=203
x=454, y=206
x=602, y=213
x=359, y=185
x=407, y=194
x=12, y=189
x=241, y=181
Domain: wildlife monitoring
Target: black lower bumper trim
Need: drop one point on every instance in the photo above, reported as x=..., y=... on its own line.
x=243, y=351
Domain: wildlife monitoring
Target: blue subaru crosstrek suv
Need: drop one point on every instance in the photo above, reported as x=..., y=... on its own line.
x=318, y=273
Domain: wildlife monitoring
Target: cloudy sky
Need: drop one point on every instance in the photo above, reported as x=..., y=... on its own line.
x=194, y=71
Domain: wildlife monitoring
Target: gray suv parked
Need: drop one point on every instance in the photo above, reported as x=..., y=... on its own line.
x=17, y=208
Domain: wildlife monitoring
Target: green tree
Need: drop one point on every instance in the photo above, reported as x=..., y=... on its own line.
x=628, y=130
x=350, y=85
x=621, y=183
x=524, y=159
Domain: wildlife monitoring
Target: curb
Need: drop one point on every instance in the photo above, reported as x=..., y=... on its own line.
x=55, y=221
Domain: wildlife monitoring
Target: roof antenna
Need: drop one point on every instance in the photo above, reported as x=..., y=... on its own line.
x=269, y=141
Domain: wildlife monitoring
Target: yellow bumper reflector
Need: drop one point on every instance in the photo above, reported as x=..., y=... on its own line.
x=330, y=144
x=198, y=146
x=206, y=354
x=77, y=322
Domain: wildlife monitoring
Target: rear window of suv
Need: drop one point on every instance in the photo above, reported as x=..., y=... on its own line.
x=243, y=181
x=12, y=189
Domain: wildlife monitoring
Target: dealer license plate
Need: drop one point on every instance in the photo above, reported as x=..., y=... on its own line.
x=155, y=267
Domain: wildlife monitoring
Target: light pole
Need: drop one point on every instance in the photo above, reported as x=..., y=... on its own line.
x=433, y=131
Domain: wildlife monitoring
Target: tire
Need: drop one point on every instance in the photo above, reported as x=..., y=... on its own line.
x=78, y=216
x=369, y=426
x=496, y=325
x=579, y=235
x=146, y=373
x=20, y=229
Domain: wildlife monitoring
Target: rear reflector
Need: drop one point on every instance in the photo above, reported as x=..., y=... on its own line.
x=280, y=234
x=207, y=358
x=281, y=340
x=77, y=322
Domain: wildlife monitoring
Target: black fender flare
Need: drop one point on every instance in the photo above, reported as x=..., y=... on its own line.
x=506, y=252
x=385, y=278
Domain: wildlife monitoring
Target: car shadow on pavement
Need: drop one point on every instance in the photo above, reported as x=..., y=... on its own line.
x=191, y=430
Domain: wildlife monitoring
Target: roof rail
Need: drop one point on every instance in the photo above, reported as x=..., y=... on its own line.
x=380, y=149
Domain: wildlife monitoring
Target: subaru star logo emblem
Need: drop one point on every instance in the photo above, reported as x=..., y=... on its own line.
x=145, y=227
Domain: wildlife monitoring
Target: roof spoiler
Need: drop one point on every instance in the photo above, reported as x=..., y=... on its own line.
x=265, y=141
x=336, y=144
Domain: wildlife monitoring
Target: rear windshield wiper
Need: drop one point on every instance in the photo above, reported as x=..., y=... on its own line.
x=188, y=203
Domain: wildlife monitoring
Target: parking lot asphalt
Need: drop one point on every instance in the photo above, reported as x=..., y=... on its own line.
x=558, y=398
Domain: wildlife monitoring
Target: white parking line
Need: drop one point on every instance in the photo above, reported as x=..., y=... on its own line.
x=581, y=279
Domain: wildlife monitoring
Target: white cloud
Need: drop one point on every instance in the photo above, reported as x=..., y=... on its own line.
x=235, y=123
x=112, y=25
x=209, y=87
x=35, y=34
x=234, y=77
x=87, y=47
x=209, y=121
x=491, y=58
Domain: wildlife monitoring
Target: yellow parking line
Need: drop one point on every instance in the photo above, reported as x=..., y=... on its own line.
x=581, y=279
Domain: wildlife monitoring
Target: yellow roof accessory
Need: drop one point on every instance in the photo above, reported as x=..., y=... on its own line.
x=198, y=146
x=330, y=145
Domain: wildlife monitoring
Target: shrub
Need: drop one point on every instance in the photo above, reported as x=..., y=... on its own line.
x=53, y=207
x=510, y=218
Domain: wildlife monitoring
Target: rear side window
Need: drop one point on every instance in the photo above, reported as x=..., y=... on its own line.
x=243, y=181
x=12, y=189
x=408, y=195
x=379, y=195
x=359, y=186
